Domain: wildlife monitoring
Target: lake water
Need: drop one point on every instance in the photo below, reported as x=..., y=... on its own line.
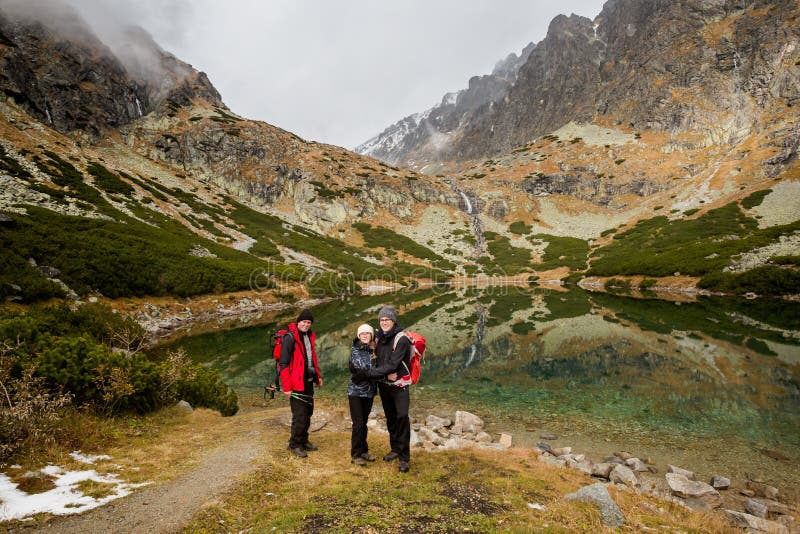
x=711, y=385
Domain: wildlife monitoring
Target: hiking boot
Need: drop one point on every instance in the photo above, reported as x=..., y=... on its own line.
x=391, y=456
x=403, y=467
x=368, y=457
x=358, y=460
x=299, y=452
x=310, y=446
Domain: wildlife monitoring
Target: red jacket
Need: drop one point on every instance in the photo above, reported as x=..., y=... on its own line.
x=294, y=372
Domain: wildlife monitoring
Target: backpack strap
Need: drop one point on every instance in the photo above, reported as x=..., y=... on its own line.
x=397, y=339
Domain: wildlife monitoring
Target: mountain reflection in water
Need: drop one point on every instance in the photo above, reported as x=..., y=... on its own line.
x=709, y=382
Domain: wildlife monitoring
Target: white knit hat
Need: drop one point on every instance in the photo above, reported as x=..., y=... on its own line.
x=366, y=328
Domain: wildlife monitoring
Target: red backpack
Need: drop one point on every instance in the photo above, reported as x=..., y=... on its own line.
x=417, y=355
x=278, y=344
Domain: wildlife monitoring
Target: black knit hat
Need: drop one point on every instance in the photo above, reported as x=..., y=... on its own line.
x=305, y=315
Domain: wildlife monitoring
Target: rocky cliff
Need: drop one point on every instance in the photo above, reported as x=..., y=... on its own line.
x=718, y=68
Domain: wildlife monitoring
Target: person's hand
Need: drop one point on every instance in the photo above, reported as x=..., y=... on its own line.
x=320, y=382
x=287, y=393
x=392, y=377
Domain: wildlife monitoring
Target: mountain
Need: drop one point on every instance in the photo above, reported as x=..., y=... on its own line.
x=720, y=69
x=123, y=173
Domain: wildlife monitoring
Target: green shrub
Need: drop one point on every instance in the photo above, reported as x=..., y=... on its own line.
x=108, y=181
x=764, y=280
x=755, y=199
x=208, y=390
x=563, y=251
x=519, y=228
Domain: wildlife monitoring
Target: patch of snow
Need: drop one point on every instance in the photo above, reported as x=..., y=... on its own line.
x=78, y=456
x=64, y=499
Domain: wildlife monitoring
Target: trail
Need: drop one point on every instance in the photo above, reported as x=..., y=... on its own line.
x=166, y=507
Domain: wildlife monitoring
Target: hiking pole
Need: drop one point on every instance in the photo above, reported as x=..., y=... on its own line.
x=297, y=396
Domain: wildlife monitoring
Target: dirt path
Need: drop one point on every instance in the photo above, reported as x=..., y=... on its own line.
x=167, y=507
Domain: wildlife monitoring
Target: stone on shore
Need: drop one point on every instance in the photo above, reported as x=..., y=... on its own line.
x=598, y=495
x=435, y=423
x=680, y=471
x=483, y=437
x=755, y=524
x=685, y=488
x=469, y=422
x=720, y=482
x=622, y=474
x=636, y=465
x=505, y=440
x=561, y=451
x=623, y=455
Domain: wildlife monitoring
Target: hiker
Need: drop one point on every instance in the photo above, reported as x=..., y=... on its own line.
x=393, y=361
x=299, y=371
x=361, y=394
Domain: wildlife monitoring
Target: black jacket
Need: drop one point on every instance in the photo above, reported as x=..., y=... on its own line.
x=391, y=361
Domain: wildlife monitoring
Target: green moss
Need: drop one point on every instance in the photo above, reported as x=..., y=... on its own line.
x=519, y=228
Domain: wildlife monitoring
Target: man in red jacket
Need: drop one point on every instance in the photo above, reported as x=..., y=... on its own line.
x=299, y=371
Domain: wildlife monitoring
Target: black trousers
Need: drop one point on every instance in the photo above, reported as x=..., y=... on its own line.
x=302, y=409
x=359, y=413
x=395, y=406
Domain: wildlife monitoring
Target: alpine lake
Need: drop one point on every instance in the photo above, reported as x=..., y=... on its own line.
x=710, y=384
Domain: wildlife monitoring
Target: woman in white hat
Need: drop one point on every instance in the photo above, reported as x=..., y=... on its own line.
x=361, y=394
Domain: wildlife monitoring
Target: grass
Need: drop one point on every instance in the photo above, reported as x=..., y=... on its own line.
x=563, y=251
x=506, y=259
x=377, y=236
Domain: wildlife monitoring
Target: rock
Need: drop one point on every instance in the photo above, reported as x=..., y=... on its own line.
x=552, y=460
x=536, y=506
x=680, y=471
x=457, y=443
x=685, y=488
x=623, y=474
x=624, y=455
x=597, y=494
x=483, y=437
x=544, y=447
x=456, y=430
x=762, y=490
x=756, y=508
x=469, y=422
x=636, y=465
x=415, y=440
x=443, y=432
x=505, y=440
x=613, y=460
x=776, y=508
x=492, y=446
x=755, y=524
x=92, y=300
x=747, y=493
x=720, y=482
x=435, y=423
x=548, y=436
x=426, y=434
x=184, y=406
x=561, y=451
x=602, y=470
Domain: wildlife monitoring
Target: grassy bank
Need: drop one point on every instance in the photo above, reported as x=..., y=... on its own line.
x=473, y=491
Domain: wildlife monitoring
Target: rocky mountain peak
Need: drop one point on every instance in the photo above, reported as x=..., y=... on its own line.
x=57, y=68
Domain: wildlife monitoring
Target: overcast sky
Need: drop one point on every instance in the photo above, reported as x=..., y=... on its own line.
x=337, y=71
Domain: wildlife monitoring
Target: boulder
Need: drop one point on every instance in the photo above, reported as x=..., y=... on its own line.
x=469, y=422
x=680, y=471
x=548, y=436
x=613, y=460
x=457, y=443
x=685, y=488
x=426, y=434
x=184, y=406
x=602, y=470
x=755, y=524
x=776, y=508
x=435, y=423
x=561, y=451
x=720, y=483
x=623, y=455
x=624, y=475
x=636, y=465
x=756, y=508
x=456, y=430
x=483, y=437
x=598, y=495
x=505, y=440
x=543, y=447
x=415, y=440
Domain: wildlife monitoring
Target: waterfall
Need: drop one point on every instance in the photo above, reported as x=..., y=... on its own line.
x=47, y=112
x=476, y=348
x=139, y=106
x=467, y=203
